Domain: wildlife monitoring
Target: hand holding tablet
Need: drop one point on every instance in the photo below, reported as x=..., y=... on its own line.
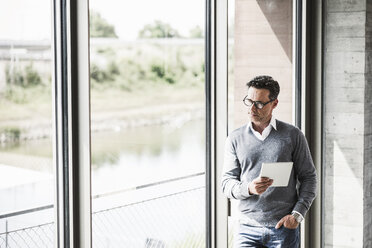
x=279, y=172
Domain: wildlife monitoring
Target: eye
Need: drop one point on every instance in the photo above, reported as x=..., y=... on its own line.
x=259, y=105
x=248, y=101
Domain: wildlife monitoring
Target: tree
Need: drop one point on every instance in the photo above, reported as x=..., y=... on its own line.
x=99, y=27
x=196, y=32
x=158, y=30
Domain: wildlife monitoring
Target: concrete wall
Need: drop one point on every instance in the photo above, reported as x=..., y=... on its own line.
x=263, y=46
x=347, y=124
x=367, y=171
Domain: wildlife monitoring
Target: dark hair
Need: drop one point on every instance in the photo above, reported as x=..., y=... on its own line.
x=265, y=82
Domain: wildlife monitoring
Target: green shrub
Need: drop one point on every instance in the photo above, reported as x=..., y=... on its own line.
x=26, y=77
x=137, y=67
x=97, y=74
x=25, y=95
x=169, y=80
x=104, y=75
x=158, y=70
x=32, y=76
x=113, y=69
x=10, y=134
x=15, y=94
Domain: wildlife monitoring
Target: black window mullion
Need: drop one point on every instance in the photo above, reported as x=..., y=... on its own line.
x=298, y=63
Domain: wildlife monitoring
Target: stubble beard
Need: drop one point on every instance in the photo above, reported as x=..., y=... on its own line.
x=258, y=119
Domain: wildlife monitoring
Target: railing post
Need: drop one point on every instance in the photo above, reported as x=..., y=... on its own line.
x=6, y=233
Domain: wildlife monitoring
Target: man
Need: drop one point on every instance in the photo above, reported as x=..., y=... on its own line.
x=269, y=216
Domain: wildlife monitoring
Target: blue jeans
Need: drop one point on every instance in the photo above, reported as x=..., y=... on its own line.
x=252, y=236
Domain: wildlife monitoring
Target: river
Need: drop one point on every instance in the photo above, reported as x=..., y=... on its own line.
x=121, y=160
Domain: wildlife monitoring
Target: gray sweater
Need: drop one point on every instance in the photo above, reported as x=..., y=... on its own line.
x=244, y=155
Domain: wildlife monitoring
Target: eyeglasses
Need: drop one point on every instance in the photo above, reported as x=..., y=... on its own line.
x=257, y=104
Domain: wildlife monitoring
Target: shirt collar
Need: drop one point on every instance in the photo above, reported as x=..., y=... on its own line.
x=272, y=123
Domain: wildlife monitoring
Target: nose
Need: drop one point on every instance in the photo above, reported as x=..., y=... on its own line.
x=252, y=109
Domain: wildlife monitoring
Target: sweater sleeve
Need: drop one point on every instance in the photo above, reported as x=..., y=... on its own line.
x=232, y=187
x=306, y=174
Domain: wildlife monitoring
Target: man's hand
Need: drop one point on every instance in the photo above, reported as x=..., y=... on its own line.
x=288, y=221
x=259, y=185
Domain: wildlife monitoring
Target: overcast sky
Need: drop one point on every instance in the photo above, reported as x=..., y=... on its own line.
x=31, y=19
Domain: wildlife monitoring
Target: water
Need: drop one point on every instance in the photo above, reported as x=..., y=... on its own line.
x=120, y=160
x=146, y=154
x=171, y=213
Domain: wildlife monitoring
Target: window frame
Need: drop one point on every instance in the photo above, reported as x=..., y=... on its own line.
x=307, y=71
x=71, y=123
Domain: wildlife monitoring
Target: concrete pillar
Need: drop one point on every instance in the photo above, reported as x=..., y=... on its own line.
x=348, y=133
x=367, y=167
x=263, y=46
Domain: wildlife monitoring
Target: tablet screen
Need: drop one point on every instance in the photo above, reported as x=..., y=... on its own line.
x=279, y=172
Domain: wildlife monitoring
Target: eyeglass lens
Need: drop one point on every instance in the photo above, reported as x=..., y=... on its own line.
x=249, y=103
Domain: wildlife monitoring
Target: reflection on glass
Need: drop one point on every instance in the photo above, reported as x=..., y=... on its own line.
x=147, y=98
x=26, y=173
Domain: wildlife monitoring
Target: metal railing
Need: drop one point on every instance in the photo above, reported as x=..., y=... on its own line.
x=174, y=219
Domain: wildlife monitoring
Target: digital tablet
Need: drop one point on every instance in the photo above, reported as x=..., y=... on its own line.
x=279, y=172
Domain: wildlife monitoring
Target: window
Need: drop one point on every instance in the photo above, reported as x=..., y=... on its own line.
x=26, y=167
x=260, y=42
x=148, y=131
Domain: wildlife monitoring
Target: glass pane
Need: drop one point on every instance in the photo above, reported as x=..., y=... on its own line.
x=26, y=167
x=260, y=43
x=148, y=123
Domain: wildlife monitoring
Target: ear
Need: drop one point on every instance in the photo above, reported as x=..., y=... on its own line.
x=275, y=103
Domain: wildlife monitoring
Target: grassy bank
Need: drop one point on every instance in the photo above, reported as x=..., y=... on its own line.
x=130, y=85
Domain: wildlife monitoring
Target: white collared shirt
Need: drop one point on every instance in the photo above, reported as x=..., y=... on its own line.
x=266, y=131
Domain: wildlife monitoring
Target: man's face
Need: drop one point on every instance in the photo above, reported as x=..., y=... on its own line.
x=260, y=116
